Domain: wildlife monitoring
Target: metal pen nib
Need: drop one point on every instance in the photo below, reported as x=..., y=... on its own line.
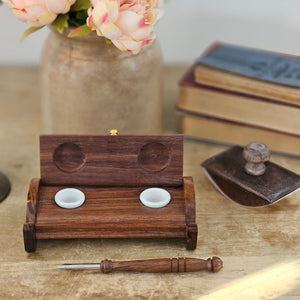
x=79, y=266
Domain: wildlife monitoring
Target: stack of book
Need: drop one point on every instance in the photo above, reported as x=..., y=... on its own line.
x=237, y=95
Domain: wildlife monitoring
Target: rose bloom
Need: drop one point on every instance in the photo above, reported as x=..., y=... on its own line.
x=39, y=12
x=127, y=23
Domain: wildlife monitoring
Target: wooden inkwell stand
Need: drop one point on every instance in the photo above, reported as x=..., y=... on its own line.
x=111, y=171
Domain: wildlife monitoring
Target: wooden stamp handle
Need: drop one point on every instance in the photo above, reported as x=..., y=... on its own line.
x=256, y=154
x=164, y=265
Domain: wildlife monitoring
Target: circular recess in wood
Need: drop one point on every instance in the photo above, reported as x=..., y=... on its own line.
x=69, y=157
x=154, y=157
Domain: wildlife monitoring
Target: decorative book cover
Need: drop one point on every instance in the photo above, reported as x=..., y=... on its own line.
x=251, y=72
x=259, y=64
x=233, y=133
x=237, y=107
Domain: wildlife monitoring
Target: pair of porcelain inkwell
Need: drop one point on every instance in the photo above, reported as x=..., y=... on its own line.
x=71, y=198
x=111, y=186
x=152, y=197
x=129, y=186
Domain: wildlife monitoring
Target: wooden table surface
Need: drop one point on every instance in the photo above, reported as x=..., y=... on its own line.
x=260, y=247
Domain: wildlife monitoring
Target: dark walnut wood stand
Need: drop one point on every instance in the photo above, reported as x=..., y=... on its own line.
x=111, y=171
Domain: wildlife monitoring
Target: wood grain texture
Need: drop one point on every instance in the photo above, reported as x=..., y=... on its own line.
x=112, y=160
x=190, y=213
x=29, y=228
x=112, y=171
x=163, y=265
x=110, y=212
x=189, y=196
x=29, y=237
x=32, y=200
x=260, y=247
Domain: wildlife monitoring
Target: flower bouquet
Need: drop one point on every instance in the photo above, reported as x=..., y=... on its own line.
x=128, y=24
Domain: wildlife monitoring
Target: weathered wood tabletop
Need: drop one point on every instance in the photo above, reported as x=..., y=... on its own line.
x=260, y=247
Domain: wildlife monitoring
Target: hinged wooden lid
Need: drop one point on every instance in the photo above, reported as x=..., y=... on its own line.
x=111, y=160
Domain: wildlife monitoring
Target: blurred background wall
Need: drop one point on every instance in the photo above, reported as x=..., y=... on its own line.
x=186, y=29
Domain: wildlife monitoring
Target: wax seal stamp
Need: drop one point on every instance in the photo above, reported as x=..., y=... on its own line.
x=4, y=187
x=245, y=176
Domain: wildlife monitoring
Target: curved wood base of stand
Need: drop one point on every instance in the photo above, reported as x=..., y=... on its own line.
x=190, y=213
x=29, y=236
x=29, y=228
x=192, y=237
x=109, y=212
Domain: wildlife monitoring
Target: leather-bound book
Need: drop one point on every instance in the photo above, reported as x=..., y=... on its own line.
x=227, y=105
x=232, y=133
x=250, y=71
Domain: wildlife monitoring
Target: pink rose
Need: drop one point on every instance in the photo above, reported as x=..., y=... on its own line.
x=127, y=23
x=39, y=12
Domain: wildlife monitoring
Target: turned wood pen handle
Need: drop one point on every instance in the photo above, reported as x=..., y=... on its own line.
x=164, y=265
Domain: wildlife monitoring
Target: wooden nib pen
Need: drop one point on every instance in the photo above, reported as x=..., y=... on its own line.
x=164, y=265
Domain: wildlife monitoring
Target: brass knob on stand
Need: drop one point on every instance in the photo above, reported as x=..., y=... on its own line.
x=113, y=132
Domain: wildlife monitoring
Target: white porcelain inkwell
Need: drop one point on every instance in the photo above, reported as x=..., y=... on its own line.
x=155, y=197
x=69, y=198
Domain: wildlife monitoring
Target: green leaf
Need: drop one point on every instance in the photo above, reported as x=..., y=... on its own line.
x=29, y=31
x=81, y=5
x=1, y=2
x=78, y=18
x=61, y=22
x=80, y=31
x=81, y=16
